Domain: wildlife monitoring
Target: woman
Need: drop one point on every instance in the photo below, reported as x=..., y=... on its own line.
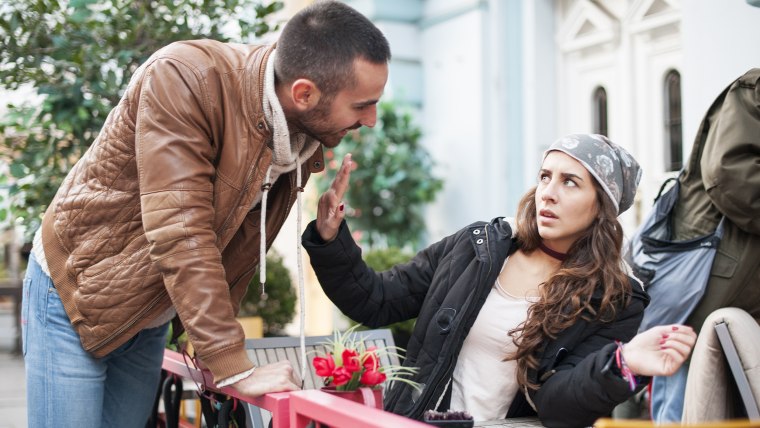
x=557, y=287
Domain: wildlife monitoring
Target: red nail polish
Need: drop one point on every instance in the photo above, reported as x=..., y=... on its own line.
x=665, y=336
x=341, y=207
x=662, y=341
x=675, y=328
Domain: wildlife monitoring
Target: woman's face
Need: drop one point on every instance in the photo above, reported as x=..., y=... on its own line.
x=566, y=201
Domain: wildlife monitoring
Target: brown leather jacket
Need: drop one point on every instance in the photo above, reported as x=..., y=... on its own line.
x=158, y=211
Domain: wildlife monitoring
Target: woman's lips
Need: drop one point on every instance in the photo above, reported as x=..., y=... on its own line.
x=549, y=214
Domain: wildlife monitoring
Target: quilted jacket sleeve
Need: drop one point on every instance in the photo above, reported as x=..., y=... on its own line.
x=175, y=157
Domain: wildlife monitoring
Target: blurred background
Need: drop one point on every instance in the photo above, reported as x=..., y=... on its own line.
x=491, y=83
x=477, y=90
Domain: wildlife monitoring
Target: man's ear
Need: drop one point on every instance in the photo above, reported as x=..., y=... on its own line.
x=305, y=94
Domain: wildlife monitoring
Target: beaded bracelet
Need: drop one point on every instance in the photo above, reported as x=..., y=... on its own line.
x=625, y=372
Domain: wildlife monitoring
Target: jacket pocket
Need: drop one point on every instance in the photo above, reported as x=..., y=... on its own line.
x=724, y=265
x=100, y=262
x=558, y=357
x=444, y=319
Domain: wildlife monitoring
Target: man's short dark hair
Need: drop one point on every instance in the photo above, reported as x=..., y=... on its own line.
x=321, y=42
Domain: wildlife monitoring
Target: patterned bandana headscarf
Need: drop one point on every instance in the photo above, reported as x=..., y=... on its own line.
x=611, y=165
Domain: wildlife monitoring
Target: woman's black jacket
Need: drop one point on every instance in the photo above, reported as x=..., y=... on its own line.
x=444, y=286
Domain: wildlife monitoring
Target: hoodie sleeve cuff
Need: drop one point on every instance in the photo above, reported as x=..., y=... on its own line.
x=228, y=363
x=235, y=379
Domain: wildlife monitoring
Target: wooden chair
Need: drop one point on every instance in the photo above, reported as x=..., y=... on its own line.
x=272, y=349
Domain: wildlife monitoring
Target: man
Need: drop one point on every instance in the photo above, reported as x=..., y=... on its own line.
x=162, y=215
x=722, y=179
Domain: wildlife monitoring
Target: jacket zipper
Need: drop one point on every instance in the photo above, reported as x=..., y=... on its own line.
x=258, y=155
x=248, y=181
x=423, y=405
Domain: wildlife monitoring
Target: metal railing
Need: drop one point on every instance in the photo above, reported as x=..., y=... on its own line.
x=297, y=409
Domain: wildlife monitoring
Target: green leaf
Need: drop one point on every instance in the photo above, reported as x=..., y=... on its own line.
x=18, y=170
x=80, y=15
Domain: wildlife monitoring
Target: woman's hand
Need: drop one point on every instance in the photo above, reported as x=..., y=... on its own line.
x=330, y=211
x=659, y=351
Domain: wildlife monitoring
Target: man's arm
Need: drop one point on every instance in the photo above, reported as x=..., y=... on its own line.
x=175, y=168
x=731, y=157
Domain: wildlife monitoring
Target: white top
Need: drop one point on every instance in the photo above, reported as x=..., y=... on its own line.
x=483, y=384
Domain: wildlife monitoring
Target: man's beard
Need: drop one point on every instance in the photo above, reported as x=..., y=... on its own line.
x=316, y=125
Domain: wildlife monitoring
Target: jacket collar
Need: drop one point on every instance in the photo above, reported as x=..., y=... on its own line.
x=253, y=87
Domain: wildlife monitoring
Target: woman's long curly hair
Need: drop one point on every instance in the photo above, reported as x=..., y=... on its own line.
x=593, y=262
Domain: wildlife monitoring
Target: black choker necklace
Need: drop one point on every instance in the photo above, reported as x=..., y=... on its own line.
x=556, y=254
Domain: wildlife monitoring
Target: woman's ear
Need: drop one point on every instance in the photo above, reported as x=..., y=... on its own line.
x=305, y=94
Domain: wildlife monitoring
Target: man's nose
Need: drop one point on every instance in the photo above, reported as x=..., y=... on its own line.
x=369, y=116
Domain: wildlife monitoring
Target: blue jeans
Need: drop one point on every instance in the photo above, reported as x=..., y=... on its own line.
x=667, y=396
x=68, y=387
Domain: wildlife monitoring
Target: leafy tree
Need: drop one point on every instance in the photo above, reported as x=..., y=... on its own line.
x=393, y=182
x=78, y=55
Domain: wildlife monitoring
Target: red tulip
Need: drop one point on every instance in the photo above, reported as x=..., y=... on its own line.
x=324, y=366
x=372, y=377
x=341, y=376
x=370, y=361
x=351, y=360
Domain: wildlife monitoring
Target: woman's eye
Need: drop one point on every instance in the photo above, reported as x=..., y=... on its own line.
x=569, y=182
x=544, y=178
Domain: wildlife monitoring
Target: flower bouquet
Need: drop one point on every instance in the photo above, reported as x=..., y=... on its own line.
x=349, y=365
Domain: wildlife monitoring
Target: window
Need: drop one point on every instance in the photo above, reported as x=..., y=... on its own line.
x=600, y=111
x=673, y=127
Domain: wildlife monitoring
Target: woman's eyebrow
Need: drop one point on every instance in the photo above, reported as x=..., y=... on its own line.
x=571, y=175
x=564, y=175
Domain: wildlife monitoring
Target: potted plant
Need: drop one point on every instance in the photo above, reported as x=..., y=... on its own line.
x=353, y=371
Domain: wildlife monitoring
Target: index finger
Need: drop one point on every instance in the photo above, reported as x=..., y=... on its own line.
x=340, y=184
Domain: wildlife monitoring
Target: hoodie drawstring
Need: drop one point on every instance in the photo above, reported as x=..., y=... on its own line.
x=301, y=288
x=263, y=251
x=263, y=233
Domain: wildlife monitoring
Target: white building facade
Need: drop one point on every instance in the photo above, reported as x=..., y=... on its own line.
x=496, y=81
